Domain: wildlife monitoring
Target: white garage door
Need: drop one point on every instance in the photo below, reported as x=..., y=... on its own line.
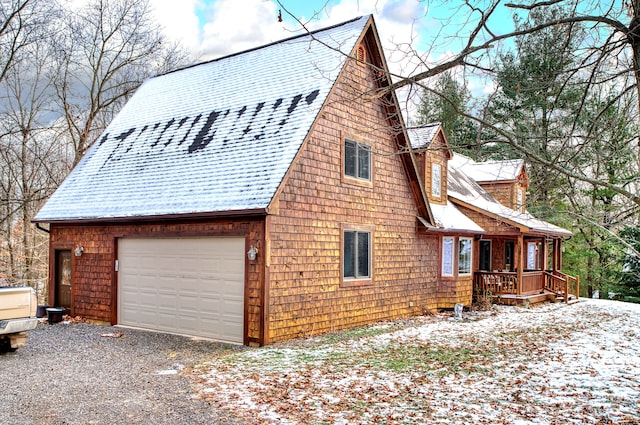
x=189, y=286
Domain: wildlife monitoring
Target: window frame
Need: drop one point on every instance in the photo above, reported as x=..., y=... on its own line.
x=470, y=254
x=436, y=189
x=350, y=281
x=359, y=147
x=451, y=257
x=448, y=268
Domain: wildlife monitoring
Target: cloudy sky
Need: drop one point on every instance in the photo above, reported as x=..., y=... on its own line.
x=214, y=28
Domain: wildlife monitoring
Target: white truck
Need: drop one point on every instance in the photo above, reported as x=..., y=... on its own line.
x=18, y=306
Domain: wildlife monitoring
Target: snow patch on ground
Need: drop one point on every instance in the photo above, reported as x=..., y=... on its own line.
x=551, y=364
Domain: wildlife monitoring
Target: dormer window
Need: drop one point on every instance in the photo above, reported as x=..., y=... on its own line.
x=519, y=200
x=436, y=180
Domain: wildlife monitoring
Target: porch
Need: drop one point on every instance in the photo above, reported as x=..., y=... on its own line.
x=533, y=286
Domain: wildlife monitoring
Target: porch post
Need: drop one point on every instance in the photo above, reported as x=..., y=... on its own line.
x=520, y=263
x=557, y=254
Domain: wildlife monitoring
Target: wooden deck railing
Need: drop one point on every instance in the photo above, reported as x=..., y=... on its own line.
x=562, y=284
x=496, y=283
x=533, y=282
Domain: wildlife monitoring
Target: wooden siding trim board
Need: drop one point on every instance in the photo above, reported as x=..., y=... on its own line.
x=266, y=285
x=155, y=218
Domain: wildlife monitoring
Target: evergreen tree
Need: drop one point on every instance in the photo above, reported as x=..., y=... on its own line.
x=446, y=104
x=629, y=283
x=537, y=100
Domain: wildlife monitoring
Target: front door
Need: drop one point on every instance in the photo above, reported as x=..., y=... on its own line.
x=63, y=279
x=508, y=255
x=485, y=256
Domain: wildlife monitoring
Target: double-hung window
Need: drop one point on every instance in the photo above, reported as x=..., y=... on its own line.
x=356, y=254
x=357, y=160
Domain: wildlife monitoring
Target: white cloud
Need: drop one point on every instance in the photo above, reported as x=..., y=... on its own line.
x=214, y=28
x=233, y=26
x=180, y=21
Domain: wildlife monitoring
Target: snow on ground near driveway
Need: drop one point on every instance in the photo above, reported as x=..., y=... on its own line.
x=553, y=364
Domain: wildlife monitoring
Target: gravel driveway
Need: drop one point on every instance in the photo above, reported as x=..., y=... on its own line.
x=73, y=374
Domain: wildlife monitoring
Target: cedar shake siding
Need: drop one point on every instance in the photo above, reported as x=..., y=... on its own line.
x=307, y=292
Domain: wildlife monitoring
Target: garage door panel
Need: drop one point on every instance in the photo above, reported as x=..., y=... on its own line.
x=192, y=286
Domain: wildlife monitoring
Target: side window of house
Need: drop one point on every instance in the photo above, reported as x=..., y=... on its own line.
x=357, y=160
x=531, y=255
x=464, y=256
x=436, y=179
x=447, y=255
x=452, y=252
x=357, y=254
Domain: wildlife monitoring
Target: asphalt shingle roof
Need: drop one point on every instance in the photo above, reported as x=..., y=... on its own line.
x=492, y=171
x=464, y=188
x=421, y=137
x=214, y=137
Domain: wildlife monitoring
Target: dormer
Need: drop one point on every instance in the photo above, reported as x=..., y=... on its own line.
x=507, y=181
x=433, y=153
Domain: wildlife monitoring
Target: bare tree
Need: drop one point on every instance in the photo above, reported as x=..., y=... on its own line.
x=109, y=49
x=17, y=27
x=65, y=73
x=609, y=57
x=29, y=166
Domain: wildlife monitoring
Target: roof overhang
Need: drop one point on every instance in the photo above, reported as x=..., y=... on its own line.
x=167, y=217
x=529, y=230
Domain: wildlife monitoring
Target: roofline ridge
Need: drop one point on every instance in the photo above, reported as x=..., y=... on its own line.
x=432, y=124
x=273, y=43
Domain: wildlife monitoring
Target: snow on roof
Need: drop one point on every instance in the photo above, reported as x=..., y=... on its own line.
x=489, y=171
x=464, y=188
x=421, y=137
x=449, y=217
x=218, y=136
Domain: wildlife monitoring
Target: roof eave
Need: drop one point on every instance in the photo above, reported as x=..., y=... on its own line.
x=256, y=212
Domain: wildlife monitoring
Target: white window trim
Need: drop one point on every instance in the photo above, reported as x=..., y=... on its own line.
x=470, y=256
x=448, y=256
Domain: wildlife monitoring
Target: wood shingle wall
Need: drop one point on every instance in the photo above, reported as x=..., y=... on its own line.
x=307, y=295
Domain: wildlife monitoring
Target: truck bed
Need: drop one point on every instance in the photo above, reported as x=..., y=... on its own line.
x=17, y=303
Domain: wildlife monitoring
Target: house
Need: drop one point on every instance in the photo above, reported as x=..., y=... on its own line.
x=518, y=258
x=263, y=196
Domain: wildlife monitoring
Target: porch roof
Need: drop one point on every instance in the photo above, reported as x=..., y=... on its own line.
x=449, y=217
x=464, y=189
